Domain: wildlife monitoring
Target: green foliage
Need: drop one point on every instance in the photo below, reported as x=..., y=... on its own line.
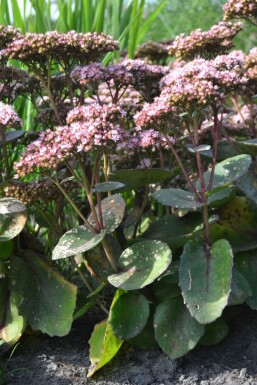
x=205, y=278
x=141, y=264
x=135, y=321
x=214, y=332
x=112, y=211
x=135, y=179
x=12, y=324
x=104, y=345
x=176, y=331
x=126, y=239
x=77, y=241
x=44, y=298
x=13, y=216
x=180, y=199
x=228, y=171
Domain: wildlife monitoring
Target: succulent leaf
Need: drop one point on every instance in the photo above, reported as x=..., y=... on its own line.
x=205, y=278
x=141, y=264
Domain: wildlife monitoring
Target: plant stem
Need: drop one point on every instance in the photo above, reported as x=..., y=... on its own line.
x=5, y=154
x=109, y=255
x=87, y=284
x=73, y=204
x=202, y=182
x=86, y=186
x=206, y=225
x=190, y=183
x=215, y=135
x=47, y=87
x=141, y=211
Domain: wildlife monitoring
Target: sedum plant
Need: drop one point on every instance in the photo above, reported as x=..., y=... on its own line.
x=141, y=181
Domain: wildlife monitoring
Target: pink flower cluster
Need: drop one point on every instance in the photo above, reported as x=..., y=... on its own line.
x=251, y=64
x=8, y=117
x=205, y=44
x=147, y=140
x=8, y=34
x=200, y=82
x=39, y=48
x=160, y=114
x=240, y=9
x=88, y=128
x=93, y=74
x=128, y=72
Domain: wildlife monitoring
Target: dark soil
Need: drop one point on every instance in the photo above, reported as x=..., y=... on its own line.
x=40, y=360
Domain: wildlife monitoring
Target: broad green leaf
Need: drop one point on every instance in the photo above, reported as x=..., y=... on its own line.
x=112, y=209
x=229, y=149
x=44, y=298
x=238, y=216
x=246, y=264
x=227, y=171
x=166, y=286
x=221, y=195
x=178, y=198
x=141, y=264
x=107, y=186
x=13, y=216
x=146, y=339
x=11, y=323
x=135, y=179
x=205, y=278
x=176, y=331
x=247, y=184
x=125, y=319
x=104, y=345
x=14, y=135
x=240, y=288
x=6, y=249
x=200, y=148
x=177, y=231
x=214, y=332
x=76, y=241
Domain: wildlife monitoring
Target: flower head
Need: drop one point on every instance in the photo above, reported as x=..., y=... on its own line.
x=40, y=48
x=8, y=34
x=88, y=129
x=206, y=44
x=8, y=117
x=200, y=82
x=240, y=9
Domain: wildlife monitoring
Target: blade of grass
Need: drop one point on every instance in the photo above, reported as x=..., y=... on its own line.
x=99, y=11
x=136, y=14
x=150, y=19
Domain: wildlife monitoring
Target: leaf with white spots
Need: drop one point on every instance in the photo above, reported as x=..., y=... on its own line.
x=205, y=278
x=13, y=216
x=141, y=264
x=176, y=331
x=76, y=241
x=177, y=198
x=44, y=298
x=107, y=186
x=112, y=209
x=125, y=319
x=227, y=171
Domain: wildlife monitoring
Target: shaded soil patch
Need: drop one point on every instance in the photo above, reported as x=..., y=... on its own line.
x=40, y=360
